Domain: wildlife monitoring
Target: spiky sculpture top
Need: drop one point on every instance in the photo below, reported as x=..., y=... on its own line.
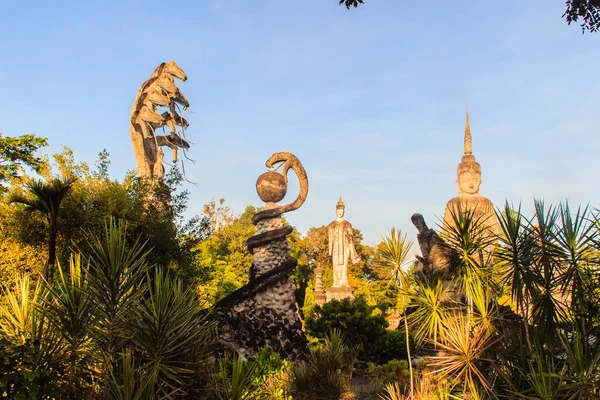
x=159, y=91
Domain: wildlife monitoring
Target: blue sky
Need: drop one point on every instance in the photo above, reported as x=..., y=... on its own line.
x=371, y=100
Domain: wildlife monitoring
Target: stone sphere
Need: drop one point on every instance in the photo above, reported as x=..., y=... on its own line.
x=271, y=187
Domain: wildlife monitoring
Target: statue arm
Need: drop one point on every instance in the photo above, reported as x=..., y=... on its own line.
x=448, y=221
x=350, y=235
x=329, y=240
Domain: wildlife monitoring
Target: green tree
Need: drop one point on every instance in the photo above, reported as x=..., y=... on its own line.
x=93, y=199
x=17, y=258
x=587, y=10
x=219, y=215
x=311, y=254
x=16, y=152
x=351, y=3
x=46, y=198
x=354, y=317
x=223, y=260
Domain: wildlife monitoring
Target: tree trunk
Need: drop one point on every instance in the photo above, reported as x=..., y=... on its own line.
x=353, y=355
x=49, y=270
x=410, y=368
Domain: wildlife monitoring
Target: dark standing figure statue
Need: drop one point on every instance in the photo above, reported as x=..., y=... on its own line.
x=436, y=259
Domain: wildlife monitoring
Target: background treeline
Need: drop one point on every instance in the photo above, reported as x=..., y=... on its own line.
x=126, y=314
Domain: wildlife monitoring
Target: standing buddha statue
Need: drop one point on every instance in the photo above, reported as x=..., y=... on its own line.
x=341, y=249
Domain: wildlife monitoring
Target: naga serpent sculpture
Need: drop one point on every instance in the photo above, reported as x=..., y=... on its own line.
x=158, y=91
x=289, y=161
x=264, y=312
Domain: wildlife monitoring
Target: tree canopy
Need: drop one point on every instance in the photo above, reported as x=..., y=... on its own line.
x=93, y=199
x=17, y=152
x=588, y=11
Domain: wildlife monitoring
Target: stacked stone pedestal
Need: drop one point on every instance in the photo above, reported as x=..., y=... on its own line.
x=264, y=312
x=320, y=296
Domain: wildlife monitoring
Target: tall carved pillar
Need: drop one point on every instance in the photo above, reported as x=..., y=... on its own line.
x=320, y=296
x=159, y=92
x=263, y=313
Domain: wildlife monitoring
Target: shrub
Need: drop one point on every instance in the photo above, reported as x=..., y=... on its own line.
x=323, y=375
x=392, y=371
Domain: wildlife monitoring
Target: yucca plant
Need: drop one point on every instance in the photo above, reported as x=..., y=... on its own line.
x=116, y=283
x=322, y=375
x=23, y=321
x=20, y=320
x=236, y=379
x=462, y=356
x=113, y=324
x=128, y=381
x=543, y=376
x=515, y=258
x=426, y=389
x=70, y=311
x=393, y=391
x=575, y=236
x=169, y=333
x=473, y=243
x=32, y=352
x=582, y=382
x=394, y=254
x=431, y=303
x=484, y=309
x=548, y=309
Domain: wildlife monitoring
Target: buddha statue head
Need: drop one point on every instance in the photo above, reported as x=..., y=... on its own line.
x=468, y=172
x=340, y=209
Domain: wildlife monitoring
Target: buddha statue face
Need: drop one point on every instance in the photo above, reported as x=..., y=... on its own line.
x=339, y=212
x=468, y=183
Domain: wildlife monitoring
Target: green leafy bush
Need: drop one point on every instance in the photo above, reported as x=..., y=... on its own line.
x=23, y=376
x=272, y=379
x=390, y=372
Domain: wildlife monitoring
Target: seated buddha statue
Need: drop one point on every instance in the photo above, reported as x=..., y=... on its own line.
x=469, y=201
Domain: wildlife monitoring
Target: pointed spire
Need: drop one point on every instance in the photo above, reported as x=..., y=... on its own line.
x=340, y=204
x=468, y=140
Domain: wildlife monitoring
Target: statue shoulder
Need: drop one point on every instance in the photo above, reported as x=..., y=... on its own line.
x=488, y=201
x=453, y=202
x=469, y=201
x=342, y=224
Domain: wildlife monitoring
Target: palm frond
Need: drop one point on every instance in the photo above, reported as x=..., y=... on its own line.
x=432, y=304
x=45, y=197
x=461, y=355
x=395, y=254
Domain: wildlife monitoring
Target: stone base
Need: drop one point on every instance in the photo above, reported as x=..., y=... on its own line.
x=320, y=298
x=267, y=319
x=339, y=293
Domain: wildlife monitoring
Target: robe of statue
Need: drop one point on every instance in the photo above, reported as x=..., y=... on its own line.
x=341, y=248
x=482, y=209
